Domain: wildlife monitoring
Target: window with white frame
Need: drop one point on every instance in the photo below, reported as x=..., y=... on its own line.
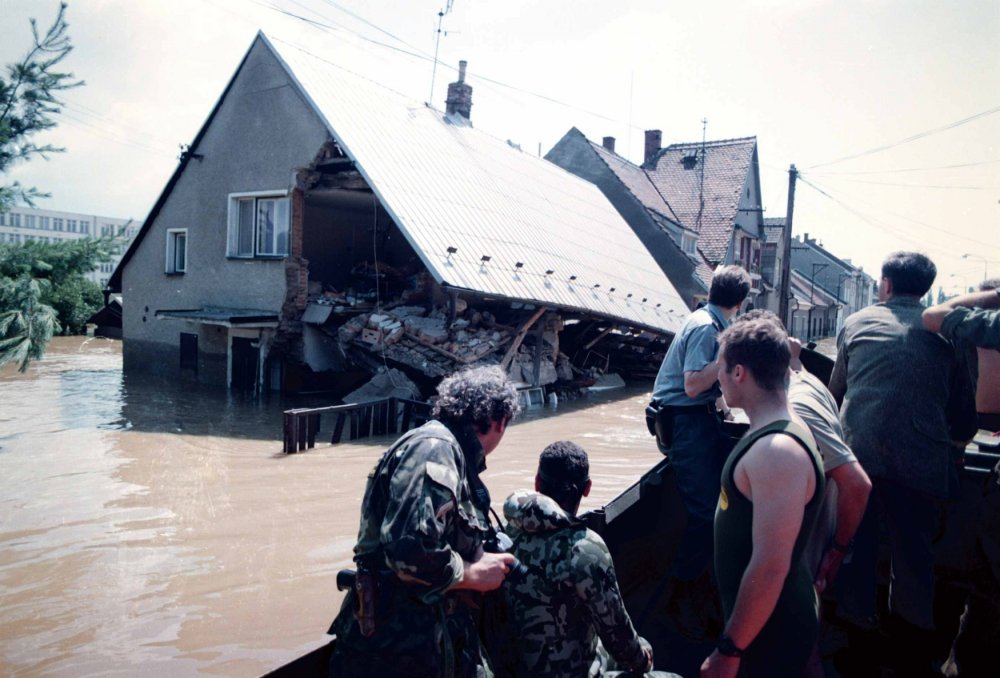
x=259, y=224
x=57, y=223
x=688, y=243
x=85, y=227
x=176, y=250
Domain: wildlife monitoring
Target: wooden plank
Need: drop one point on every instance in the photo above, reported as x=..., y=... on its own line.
x=288, y=431
x=600, y=336
x=446, y=353
x=521, y=334
x=338, y=428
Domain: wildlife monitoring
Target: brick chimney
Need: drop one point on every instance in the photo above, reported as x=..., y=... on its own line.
x=609, y=143
x=653, y=139
x=459, y=99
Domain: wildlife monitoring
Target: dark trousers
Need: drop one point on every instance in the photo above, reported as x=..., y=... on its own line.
x=911, y=520
x=697, y=453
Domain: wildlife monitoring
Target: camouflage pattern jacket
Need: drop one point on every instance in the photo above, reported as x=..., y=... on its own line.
x=423, y=513
x=569, y=596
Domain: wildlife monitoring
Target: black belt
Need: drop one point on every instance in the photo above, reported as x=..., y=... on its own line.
x=704, y=407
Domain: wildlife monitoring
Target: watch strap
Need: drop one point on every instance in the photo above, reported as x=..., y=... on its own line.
x=727, y=647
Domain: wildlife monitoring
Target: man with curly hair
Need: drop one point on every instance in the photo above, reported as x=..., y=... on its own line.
x=424, y=519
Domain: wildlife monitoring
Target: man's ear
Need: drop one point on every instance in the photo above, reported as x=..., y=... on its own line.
x=538, y=483
x=586, y=488
x=739, y=373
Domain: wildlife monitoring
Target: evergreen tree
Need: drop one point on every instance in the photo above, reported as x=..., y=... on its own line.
x=43, y=291
x=28, y=103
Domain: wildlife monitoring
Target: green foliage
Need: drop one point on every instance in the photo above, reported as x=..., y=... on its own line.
x=74, y=301
x=28, y=103
x=42, y=287
x=56, y=261
x=26, y=324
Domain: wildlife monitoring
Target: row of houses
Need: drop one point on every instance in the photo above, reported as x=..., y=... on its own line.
x=321, y=225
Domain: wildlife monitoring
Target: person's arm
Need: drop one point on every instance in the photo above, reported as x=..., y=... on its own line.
x=701, y=366
x=597, y=587
x=853, y=488
x=696, y=383
x=838, y=377
x=423, y=503
x=934, y=316
x=485, y=574
x=774, y=474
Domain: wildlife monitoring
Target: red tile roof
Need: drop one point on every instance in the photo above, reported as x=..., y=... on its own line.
x=727, y=163
x=634, y=178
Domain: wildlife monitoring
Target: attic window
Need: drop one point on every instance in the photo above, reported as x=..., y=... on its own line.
x=690, y=160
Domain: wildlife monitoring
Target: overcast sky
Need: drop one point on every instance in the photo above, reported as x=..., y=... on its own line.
x=815, y=81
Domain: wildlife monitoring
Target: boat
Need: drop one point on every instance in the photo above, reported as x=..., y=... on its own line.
x=643, y=524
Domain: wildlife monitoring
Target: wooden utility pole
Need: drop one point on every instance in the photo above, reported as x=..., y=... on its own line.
x=784, y=286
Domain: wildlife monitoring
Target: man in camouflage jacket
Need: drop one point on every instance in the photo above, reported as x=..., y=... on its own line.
x=569, y=597
x=423, y=523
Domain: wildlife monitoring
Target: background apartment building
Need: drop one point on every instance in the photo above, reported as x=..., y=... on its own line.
x=26, y=224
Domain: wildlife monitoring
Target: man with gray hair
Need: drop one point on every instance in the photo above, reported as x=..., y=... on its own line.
x=420, y=558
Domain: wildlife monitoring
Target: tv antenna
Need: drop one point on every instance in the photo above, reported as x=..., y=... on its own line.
x=437, y=45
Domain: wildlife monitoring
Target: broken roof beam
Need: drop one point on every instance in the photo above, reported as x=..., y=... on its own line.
x=521, y=334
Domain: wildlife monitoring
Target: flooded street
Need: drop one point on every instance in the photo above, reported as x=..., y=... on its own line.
x=156, y=529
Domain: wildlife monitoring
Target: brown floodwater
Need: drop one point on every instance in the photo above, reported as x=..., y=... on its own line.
x=152, y=528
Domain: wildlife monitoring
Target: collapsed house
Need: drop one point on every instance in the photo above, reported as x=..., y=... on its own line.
x=321, y=227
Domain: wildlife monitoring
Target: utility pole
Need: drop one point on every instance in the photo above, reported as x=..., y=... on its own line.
x=784, y=285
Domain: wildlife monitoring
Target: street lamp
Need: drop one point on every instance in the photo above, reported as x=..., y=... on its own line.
x=985, y=261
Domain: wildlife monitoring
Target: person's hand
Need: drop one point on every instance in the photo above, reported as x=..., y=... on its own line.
x=828, y=569
x=648, y=651
x=795, y=346
x=487, y=573
x=718, y=665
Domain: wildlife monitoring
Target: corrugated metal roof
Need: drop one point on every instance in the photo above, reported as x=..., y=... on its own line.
x=450, y=186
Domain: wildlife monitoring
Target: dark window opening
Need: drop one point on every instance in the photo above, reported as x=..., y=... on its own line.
x=189, y=351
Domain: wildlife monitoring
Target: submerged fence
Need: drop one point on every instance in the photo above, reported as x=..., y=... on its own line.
x=360, y=420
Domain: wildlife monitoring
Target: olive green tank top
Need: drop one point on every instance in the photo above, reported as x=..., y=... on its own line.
x=783, y=645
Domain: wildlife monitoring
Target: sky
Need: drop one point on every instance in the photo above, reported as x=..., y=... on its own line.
x=890, y=109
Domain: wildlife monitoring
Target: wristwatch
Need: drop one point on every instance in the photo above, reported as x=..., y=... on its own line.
x=727, y=647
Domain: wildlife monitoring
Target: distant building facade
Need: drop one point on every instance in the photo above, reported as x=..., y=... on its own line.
x=27, y=224
x=825, y=273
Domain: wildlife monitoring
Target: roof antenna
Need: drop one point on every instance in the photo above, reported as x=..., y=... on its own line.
x=437, y=45
x=701, y=178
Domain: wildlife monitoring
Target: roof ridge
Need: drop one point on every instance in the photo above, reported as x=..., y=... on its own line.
x=600, y=148
x=714, y=142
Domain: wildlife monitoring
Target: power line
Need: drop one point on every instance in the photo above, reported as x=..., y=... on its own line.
x=425, y=57
x=914, y=137
x=890, y=183
x=911, y=169
x=934, y=229
x=894, y=231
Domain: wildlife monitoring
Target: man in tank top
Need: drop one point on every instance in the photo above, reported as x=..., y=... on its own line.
x=771, y=486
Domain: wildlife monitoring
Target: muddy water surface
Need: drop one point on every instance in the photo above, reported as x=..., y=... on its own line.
x=146, y=528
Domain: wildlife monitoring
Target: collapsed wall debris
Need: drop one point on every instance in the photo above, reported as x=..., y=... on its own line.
x=427, y=333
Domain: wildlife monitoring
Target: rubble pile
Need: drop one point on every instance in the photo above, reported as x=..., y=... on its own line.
x=387, y=383
x=411, y=336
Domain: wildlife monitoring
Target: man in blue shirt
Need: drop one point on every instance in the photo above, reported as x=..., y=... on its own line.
x=685, y=392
